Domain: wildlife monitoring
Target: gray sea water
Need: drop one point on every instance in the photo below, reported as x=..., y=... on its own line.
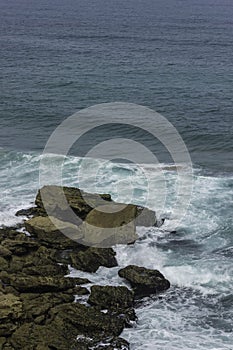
x=173, y=56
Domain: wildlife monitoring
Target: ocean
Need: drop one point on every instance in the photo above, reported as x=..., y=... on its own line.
x=174, y=57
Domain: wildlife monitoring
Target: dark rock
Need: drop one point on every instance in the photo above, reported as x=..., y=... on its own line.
x=144, y=281
x=92, y=258
x=35, y=305
x=88, y=321
x=110, y=343
x=34, y=211
x=39, y=284
x=118, y=301
x=111, y=297
x=20, y=247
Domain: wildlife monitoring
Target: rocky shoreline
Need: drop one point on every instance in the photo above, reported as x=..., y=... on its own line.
x=41, y=307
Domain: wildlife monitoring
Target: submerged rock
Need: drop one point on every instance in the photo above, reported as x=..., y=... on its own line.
x=144, y=281
x=92, y=258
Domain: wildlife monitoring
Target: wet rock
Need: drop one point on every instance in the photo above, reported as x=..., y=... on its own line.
x=79, y=201
x=10, y=313
x=56, y=234
x=92, y=258
x=39, y=284
x=111, y=224
x=144, y=281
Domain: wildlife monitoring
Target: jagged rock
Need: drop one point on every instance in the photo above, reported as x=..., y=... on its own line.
x=39, y=284
x=56, y=233
x=111, y=297
x=87, y=320
x=38, y=262
x=35, y=305
x=10, y=312
x=66, y=322
x=144, y=281
x=109, y=225
x=20, y=247
x=117, y=300
x=79, y=201
x=34, y=211
x=92, y=258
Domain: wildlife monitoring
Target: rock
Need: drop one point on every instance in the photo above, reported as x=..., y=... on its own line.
x=118, y=301
x=88, y=321
x=64, y=324
x=57, y=234
x=92, y=258
x=79, y=201
x=10, y=313
x=31, y=212
x=111, y=297
x=144, y=281
x=145, y=217
x=109, y=225
x=20, y=247
x=39, y=284
x=4, y=252
x=38, y=262
x=35, y=305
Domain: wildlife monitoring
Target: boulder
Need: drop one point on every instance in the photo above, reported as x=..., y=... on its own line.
x=92, y=258
x=55, y=233
x=79, y=201
x=111, y=297
x=144, y=281
x=109, y=225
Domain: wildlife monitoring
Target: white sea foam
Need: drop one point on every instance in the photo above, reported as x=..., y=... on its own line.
x=192, y=259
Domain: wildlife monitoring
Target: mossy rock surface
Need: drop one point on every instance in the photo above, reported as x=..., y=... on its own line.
x=92, y=258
